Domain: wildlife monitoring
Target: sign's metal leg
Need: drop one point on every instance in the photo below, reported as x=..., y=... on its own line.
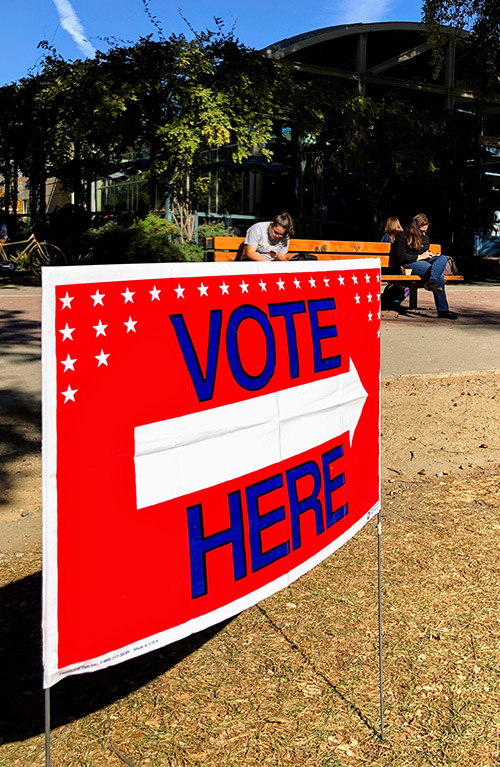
x=380, y=664
x=47, y=727
x=413, y=296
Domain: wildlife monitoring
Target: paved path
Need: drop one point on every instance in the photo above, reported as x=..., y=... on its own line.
x=20, y=368
x=415, y=344
x=420, y=344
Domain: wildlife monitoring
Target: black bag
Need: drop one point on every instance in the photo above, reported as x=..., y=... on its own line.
x=240, y=251
x=304, y=257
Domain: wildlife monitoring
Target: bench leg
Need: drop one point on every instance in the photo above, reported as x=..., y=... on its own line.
x=413, y=296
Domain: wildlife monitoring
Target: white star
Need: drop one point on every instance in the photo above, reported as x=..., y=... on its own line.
x=354, y=279
x=66, y=301
x=67, y=333
x=356, y=298
x=102, y=358
x=68, y=363
x=100, y=329
x=367, y=277
x=312, y=282
x=224, y=288
x=244, y=286
x=369, y=297
x=155, y=293
x=128, y=296
x=263, y=286
x=130, y=324
x=280, y=284
x=378, y=296
x=370, y=315
x=179, y=291
x=326, y=280
x=203, y=290
x=98, y=297
x=378, y=333
x=297, y=283
x=341, y=280
x=69, y=394
x=378, y=277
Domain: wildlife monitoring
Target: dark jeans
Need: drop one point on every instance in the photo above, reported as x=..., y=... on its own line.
x=432, y=268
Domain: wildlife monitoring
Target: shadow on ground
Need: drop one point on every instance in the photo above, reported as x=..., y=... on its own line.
x=467, y=315
x=18, y=331
x=19, y=410
x=20, y=431
x=21, y=678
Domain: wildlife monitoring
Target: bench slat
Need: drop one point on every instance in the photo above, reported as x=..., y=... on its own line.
x=415, y=278
x=224, y=249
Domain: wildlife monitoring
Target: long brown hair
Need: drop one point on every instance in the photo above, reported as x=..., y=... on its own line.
x=413, y=235
x=392, y=225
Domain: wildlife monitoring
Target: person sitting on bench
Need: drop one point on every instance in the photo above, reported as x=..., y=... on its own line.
x=268, y=240
x=393, y=295
x=412, y=247
x=3, y=232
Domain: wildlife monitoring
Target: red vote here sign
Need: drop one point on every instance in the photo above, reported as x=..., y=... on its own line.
x=211, y=432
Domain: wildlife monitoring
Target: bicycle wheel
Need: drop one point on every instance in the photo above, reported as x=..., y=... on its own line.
x=52, y=254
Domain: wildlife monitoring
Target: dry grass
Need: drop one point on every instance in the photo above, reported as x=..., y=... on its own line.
x=294, y=681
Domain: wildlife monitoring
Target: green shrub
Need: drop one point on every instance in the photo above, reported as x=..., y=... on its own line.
x=213, y=229
x=191, y=251
x=152, y=239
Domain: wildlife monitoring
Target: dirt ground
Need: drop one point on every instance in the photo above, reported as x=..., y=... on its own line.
x=294, y=680
x=433, y=430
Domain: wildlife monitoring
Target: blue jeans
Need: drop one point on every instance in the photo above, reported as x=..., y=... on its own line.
x=433, y=268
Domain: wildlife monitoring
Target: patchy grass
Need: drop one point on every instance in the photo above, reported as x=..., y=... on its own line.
x=294, y=681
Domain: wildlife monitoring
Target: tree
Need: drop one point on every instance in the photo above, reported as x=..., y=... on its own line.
x=223, y=94
x=482, y=19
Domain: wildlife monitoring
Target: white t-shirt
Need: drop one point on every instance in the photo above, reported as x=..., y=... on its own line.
x=258, y=236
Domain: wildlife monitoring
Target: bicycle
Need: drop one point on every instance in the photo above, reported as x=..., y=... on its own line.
x=31, y=254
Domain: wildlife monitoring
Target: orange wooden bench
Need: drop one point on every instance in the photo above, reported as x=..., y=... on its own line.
x=225, y=248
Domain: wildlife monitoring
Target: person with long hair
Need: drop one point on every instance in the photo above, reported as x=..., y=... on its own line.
x=392, y=227
x=393, y=295
x=412, y=248
x=268, y=240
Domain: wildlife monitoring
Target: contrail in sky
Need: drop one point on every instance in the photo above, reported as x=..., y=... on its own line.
x=72, y=24
x=354, y=11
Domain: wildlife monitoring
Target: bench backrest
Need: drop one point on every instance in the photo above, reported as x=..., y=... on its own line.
x=224, y=249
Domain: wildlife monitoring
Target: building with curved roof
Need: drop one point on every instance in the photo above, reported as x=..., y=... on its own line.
x=395, y=60
x=377, y=56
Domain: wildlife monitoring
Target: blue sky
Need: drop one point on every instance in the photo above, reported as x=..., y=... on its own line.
x=77, y=27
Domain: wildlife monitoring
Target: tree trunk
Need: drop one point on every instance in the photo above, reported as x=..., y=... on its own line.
x=88, y=189
x=77, y=178
x=6, y=198
x=153, y=181
x=42, y=197
x=15, y=190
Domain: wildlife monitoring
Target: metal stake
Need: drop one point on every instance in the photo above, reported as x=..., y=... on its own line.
x=47, y=727
x=380, y=666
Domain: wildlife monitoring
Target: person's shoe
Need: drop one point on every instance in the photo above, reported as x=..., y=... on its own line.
x=432, y=285
x=391, y=306
x=448, y=315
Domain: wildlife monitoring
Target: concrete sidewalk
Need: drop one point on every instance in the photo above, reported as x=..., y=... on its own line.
x=418, y=343
x=414, y=344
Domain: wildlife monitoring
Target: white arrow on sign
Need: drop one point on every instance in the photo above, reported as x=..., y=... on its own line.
x=199, y=450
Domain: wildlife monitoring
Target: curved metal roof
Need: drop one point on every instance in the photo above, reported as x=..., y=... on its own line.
x=291, y=45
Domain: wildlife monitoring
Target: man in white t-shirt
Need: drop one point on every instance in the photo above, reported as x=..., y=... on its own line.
x=268, y=240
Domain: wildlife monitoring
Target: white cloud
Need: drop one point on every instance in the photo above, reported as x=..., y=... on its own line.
x=355, y=11
x=72, y=24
